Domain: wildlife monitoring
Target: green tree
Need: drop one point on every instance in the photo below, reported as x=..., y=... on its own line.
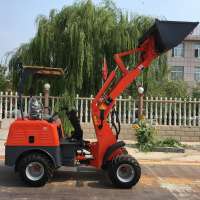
x=169, y=89
x=3, y=81
x=177, y=89
x=196, y=91
x=77, y=38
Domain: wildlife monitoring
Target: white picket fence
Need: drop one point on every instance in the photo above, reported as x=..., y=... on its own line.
x=126, y=109
x=158, y=111
x=9, y=104
x=162, y=111
x=177, y=111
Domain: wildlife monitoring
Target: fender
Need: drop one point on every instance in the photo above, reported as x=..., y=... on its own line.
x=53, y=153
x=110, y=150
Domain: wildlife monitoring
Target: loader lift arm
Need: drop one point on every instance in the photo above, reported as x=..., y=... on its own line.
x=104, y=103
x=161, y=37
x=128, y=76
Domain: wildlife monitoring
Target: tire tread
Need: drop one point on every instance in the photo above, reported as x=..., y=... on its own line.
x=112, y=169
x=48, y=165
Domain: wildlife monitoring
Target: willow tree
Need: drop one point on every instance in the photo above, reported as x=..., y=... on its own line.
x=77, y=38
x=4, y=84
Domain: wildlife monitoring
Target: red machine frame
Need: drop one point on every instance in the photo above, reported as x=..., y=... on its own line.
x=102, y=127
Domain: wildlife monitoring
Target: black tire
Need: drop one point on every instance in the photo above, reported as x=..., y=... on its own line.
x=46, y=165
x=117, y=164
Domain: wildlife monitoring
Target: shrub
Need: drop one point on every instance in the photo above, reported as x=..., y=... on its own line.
x=146, y=140
x=169, y=142
x=145, y=136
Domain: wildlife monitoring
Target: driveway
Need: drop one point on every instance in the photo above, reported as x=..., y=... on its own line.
x=158, y=182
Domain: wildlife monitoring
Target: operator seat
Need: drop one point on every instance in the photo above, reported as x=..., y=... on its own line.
x=77, y=134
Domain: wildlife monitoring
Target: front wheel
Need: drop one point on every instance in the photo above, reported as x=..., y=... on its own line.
x=124, y=171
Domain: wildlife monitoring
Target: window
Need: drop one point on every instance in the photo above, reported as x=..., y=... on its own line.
x=178, y=51
x=196, y=50
x=177, y=73
x=197, y=73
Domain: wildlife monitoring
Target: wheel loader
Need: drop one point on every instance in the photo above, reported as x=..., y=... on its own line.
x=36, y=146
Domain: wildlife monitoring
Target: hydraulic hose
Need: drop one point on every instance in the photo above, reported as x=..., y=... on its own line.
x=117, y=129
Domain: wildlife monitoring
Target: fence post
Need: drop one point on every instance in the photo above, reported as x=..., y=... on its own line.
x=40, y=97
x=189, y=112
x=175, y=116
x=81, y=111
x=129, y=109
x=170, y=111
x=6, y=104
x=151, y=110
x=194, y=112
x=165, y=112
x=156, y=110
x=134, y=110
x=179, y=111
x=11, y=107
x=120, y=109
x=86, y=110
x=124, y=113
x=185, y=113
x=91, y=98
x=160, y=118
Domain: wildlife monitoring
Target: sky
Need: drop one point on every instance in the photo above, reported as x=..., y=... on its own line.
x=17, y=17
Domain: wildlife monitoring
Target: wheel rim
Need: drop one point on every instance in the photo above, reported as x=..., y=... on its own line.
x=125, y=173
x=34, y=171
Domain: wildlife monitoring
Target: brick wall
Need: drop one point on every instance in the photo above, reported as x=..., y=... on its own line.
x=181, y=133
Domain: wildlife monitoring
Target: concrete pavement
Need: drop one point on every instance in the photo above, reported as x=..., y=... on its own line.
x=190, y=156
x=3, y=135
x=157, y=182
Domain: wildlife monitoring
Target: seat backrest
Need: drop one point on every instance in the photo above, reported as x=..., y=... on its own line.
x=78, y=132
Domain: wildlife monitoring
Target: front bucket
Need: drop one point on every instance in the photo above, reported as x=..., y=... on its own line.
x=168, y=34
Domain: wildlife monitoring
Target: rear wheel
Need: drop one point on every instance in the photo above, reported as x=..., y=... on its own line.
x=36, y=169
x=124, y=171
